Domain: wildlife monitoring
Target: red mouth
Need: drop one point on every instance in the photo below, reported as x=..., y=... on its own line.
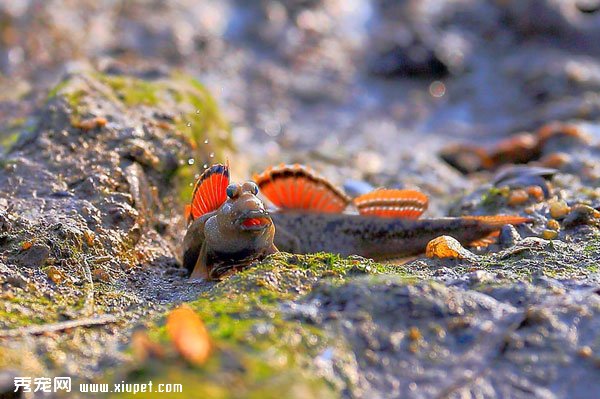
x=255, y=222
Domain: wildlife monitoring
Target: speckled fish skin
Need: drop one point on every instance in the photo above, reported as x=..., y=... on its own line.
x=372, y=237
x=219, y=242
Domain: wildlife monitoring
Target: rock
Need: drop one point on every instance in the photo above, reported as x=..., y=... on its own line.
x=582, y=215
x=34, y=257
x=559, y=209
x=548, y=234
x=509, y=236
x=80, y=201
x=444, y=247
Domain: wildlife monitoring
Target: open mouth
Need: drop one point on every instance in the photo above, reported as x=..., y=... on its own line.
x=255, y=223
x=255, y=220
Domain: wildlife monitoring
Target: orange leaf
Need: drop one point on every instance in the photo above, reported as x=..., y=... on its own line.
x=189, y=335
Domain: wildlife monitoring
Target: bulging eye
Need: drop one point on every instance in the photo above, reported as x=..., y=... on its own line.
x=232, y=191
x=253, y=188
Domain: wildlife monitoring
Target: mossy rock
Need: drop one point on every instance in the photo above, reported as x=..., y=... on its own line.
x=261, y=352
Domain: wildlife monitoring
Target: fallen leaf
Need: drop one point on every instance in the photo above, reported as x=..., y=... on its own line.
x=189, y=335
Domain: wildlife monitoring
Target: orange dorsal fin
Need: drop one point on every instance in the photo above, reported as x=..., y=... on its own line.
x=210, y=191
x=498, y=221
x=392, y=203
x=299, y=187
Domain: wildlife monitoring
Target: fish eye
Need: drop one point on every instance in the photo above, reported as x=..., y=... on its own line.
x=232, y=191
x=253, y=188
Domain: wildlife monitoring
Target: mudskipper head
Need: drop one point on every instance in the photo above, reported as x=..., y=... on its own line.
x=228, y=226
x=243, y=211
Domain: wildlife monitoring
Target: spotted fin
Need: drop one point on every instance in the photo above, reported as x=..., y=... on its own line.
x=210, y=191
x=392, y=203
x=498, y=221
x=299, y=187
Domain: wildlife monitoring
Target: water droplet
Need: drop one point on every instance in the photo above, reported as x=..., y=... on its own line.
x=206, y=141
x=211, y=155
x=191, y=161
x=205, y=166
x=188, y=124
x=437, y=89
x=197, y=111
x=273, y=128
x=191, y=184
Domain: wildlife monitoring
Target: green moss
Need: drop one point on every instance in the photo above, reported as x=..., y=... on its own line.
x=260, y=352
x=198, y=118
x=8, y=140
x=132, y=91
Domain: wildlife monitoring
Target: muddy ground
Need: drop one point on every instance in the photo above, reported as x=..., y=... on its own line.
x=109, y=109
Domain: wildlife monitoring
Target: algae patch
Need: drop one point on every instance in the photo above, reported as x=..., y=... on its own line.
x=260, y=350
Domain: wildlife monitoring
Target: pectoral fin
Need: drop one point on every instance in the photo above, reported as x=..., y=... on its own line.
x=201, y=268
x=271, y=250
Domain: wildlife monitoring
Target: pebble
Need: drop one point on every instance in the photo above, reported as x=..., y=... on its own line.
x=582, y=214
x=414, y=334
x=55, y=275
x=553, y=224
x=559, y=209
x=517, y=197
x=509, y=236
x=536, y=192
x=556, y=160
x=585, y=352
x=446, y=247
x=549, y=234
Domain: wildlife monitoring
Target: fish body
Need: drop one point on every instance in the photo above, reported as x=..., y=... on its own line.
x=370, y=236
x=229, y=227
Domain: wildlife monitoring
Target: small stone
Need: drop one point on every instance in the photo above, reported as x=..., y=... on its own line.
x=581, y=215
x=509, y=236
x=446, y=247
x=35, y=256
x=16, y=281
x=91, y=123
x=559, y=209
x=536, y=192
x=585, y=352
x=517, y=197
x=556, y=160
x=480, y=277
x=55, y=275
x=414, y=334
x=101, y=275
x=549, y=234
x=553, y=224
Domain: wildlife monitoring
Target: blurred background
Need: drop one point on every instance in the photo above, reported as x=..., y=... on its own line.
x=368, y=90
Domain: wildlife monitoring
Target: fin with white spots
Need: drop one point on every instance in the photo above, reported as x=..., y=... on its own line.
x=299, y=187
x=392, y=203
